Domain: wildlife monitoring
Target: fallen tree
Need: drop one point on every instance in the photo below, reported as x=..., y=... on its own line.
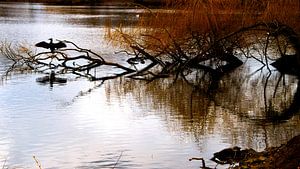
x=196, y=56
x=207, y=60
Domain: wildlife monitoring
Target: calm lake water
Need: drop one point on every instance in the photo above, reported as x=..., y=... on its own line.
x=124, y=123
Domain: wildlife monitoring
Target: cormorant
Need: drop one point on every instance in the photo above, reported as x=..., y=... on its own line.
x=52, y=46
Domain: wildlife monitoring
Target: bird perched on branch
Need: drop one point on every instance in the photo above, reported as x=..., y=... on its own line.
x=52, y=46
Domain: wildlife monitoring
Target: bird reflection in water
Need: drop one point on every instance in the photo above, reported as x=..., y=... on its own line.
x=51, y=78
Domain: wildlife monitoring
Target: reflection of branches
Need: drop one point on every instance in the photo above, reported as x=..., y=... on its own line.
x=293, y=108
x=289, y=109
x=267, y=106
x=83, y=93
x=277, y=84
x=266, y=52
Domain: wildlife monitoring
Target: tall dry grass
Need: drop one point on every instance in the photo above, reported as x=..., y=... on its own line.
x=216, y=18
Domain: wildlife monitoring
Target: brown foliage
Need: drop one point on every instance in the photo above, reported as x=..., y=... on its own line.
x=217, y=17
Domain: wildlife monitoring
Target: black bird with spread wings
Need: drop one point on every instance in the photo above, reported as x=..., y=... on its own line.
x=52, y=46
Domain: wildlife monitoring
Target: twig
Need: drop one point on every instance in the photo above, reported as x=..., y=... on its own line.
x=118, y=160
x=4, y=163
x=37, y=162
x=266, y=53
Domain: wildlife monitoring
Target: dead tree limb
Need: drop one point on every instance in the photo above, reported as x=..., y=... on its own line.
x=63, y=60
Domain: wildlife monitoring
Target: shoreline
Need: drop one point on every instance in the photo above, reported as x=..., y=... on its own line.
x=89, y=3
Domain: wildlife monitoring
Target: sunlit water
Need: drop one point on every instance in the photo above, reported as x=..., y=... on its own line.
x=121, y=123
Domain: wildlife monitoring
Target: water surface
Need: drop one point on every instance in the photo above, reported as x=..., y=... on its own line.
x=145, y=125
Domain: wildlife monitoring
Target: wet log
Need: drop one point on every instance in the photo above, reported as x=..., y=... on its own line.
x=228, y=155
x=287, y=64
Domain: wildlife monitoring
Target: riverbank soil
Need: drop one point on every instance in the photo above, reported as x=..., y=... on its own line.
x=286, y=156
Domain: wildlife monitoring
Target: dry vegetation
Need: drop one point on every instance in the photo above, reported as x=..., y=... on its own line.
x=193, y=32
x=218, y=17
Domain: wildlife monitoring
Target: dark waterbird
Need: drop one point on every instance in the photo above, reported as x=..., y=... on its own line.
x=52, y=46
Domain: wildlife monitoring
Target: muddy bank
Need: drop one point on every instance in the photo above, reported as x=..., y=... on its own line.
x=287, y=156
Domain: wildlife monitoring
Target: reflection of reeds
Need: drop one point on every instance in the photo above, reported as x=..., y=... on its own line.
x=236, y=111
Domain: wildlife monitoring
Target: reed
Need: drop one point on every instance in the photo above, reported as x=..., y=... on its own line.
x=214, y=17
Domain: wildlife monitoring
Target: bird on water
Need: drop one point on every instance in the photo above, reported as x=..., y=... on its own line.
x=52, y=46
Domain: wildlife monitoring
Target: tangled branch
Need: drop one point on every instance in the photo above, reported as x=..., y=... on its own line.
x=73, y=59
